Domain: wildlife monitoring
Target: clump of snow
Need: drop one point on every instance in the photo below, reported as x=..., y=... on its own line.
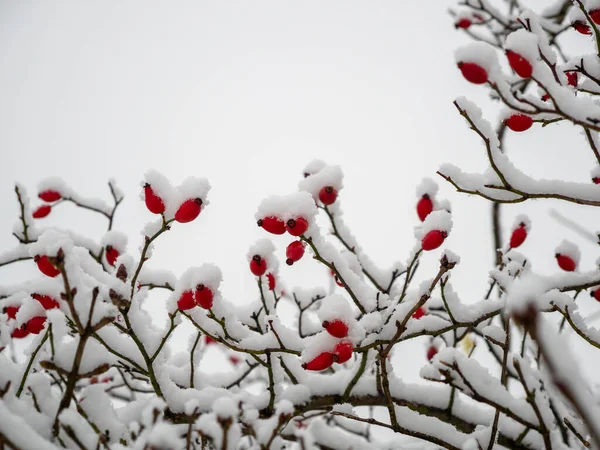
x=225, y=407
x=313, y=167
x=521, y=219
x=427, y=187
x=115, y=239
x=50, y=242
x=525, y=44
x=327, y=176
x=55, y=184
x=479, y=53
x=568, y=248
x=436, y=220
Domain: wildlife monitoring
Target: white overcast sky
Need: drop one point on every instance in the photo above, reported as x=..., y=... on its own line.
x=245, y=93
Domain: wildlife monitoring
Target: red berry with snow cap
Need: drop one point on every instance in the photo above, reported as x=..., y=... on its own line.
x=204, y=296
x=189, y=210
x=186, y=301
x=343, y=352
x=473, y=72
x=433, y=240
x=328, y=195
x=153, y=202
x=596, y=180
x=565, y=262
x=49, y=195
x=463, y=23
x=297, y=226
x=111, y=255
x=520, y=65
x=424, y=207
x=208, y=340
x=11, y=311
x=272, y=224
x=294, y=252
x=595, y=16
x=321, y=362
x=42, y=211
x=35, y=325
x=336, y=328
x=596, y=294
x=20, y=332
x=571, y=78
x=46, y=301
x=518, y=236
x=258, y=265
x=420, y=312
x=431, y=352
x=45, y=266
x=581, y=27
x=519, y=122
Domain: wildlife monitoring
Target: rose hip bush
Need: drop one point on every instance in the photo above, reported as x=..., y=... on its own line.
x=83, y=367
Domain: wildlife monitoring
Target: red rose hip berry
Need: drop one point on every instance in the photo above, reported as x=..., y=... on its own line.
x=424, y=207
x=153, y=202
x=518, y=236
x=336, y=328
x=433, y=239
x=463, y=23
x=321, y=362
x=519, y=122
x=49, y=195
x=297, y=227
x=46, y=301
x=35, y=325
x=566, y=263
x=186, y=301
x=189, y=210
x=272, y=224
x=294, y=252
x=520, y=65
x=473, y=73
x=581, y=27
x=258, y=265
x=431, y=352
x=420, y=312
x=328, y=195
x=111, y=255
x=42, y=211
x=45, y=266
x=343, y=352
x=204, y=296
x=596, y=294
x=595, y=16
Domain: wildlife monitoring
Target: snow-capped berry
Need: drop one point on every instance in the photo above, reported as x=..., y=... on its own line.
x=46, y=301
x=596, y=180
x=431, y=352
x=571, y=78
x=186, y=301
x=294, y=252
x=545, y=97
x=321, y=362
x=595, y=16
x=519, y=122
x=342, y=352
x=518, y=236
x=581, y=27
x=433, y=239
x=208, y=340
x=297, y=226
x=336, y=328
x=463, y=23
x=153, y=202
x=11, y=311
x=596, y=294
x=566, y=263
x=35, y=325
x=328, y=195
x=258, y=266
x=473, y=72
x=45, y=266
x=189, y=210
x=420, y=312
x=111, y=255
x=204, y=296
x=271, y=281
x=272, y=224
x=42, y=211
x=520, y=65
x=49, y=195
x=424, y=207
x=20, y=332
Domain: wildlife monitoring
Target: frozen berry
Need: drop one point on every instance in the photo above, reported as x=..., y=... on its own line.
x=566, y=263
x=36, y=324
x=272, y=224
x=572, y=78
x=433, y=239
x=431, y=352
x=111, y=255
x=189, y=210
x=520, y=65
x=204, y=297
x=45, y=266
x=595, y=16
x=20, y=332
x=596, y=180
x=49, y=195
x=463, y=23
x=186, y=301
x=336, y=328
x=42, y=211
x=473, y=72
x=581, y=27
x=297, y=226
x=424, y=207
x=328, y=195
x=208, y=340
x=518, y=236
x=596, y=294
x=342, y=352
x=519, y=122
x=46, y=301
x=420, y=312
x=294, y=252
x=321, y=362
x=271, y=281
x=258, y=266
x=153, y=202
x=11, y=311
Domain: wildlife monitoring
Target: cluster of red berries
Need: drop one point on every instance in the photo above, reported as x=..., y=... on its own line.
x=48, y=196
x=36, y=324
x=201, y=296
x=342, y=351
x=296, y=226
x=434, y=238
x=582, y=27
x=187, y=211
